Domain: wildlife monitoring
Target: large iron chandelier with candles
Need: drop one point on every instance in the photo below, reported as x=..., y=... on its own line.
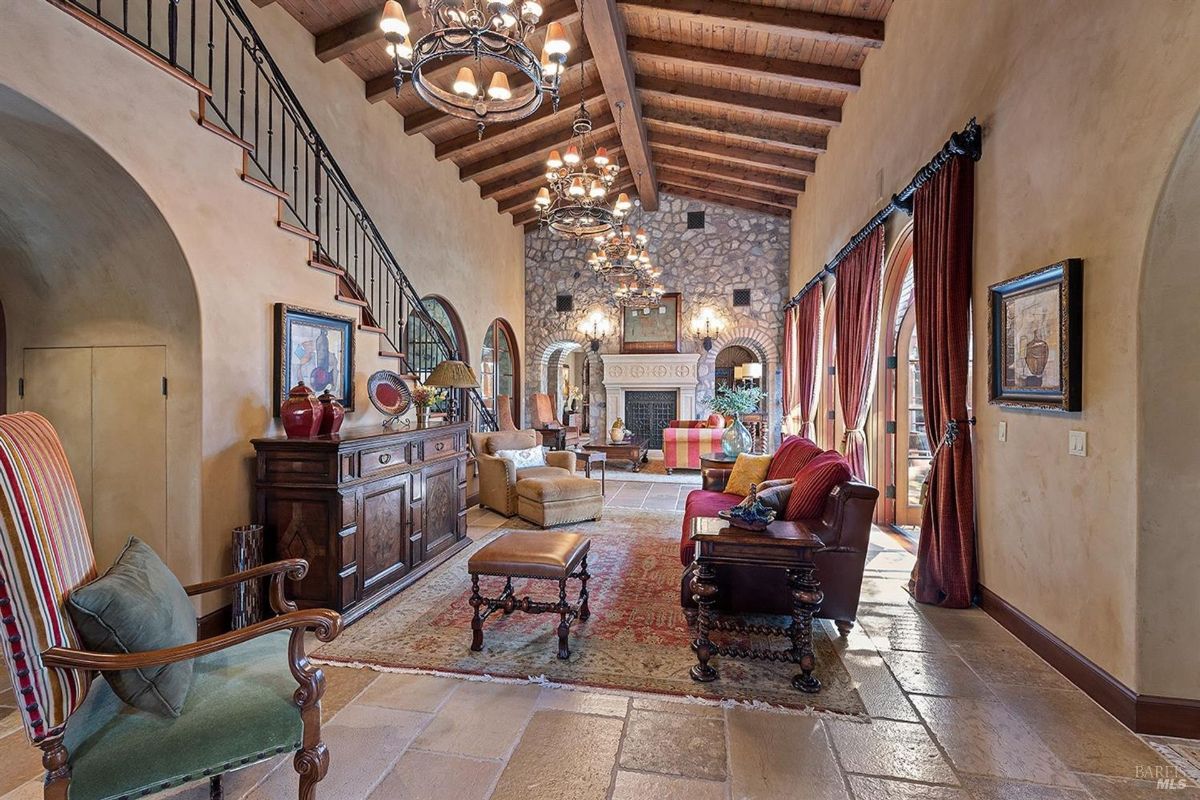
x=575, y=202
x=490, y=32
x=621, y=253
x=639, y=294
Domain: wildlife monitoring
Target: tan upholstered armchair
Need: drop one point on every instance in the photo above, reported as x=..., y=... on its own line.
x=498, y=477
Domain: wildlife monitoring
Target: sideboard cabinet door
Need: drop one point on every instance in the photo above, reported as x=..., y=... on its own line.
x=383, y=533
x=443, y=505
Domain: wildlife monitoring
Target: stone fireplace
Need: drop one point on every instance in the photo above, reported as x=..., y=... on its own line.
x=676, y=373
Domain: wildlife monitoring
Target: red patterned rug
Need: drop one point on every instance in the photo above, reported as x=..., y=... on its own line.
x=636, y=640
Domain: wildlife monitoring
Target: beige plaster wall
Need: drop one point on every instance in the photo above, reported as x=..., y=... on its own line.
x=1083, y=110
x=452, y=242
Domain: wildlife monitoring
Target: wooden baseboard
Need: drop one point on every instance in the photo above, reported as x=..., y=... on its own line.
x=1163, y=716
x=214, y=623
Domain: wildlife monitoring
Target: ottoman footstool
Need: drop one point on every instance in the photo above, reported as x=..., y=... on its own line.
x=559, y=500
x=542, y=555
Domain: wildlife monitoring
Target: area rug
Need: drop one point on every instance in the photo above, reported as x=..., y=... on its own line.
x=653, y=471
x=636, y=640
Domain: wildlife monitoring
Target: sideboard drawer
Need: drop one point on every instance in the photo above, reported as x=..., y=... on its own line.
x=382, y=459
x=441, y=446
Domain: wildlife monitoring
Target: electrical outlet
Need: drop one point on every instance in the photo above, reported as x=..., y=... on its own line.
x=1077, y=443
x=1002, y=434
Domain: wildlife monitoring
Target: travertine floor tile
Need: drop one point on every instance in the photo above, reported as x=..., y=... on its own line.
x=981, y=788
x=437, y=776
x=480, y=719
x=608, y=705
x=908, y=632
x=876, y=685
x=643, y=786
x=19, y=760
x=364, y=742
x=674, y=744
x=343, y=684
x=1106, y=788
x=1079, y=732
x=423, y=693
x=943, y=674
x=562, y=755
x=886, y=590
x=669, y=706
x=31, y=790
x=966, y=625
x=865, y=788
x=1009, y=663
x=774, y=756
x=890, y=749
x=984, y=738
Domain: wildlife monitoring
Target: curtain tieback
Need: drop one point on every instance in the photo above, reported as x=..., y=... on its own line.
x=949, y=437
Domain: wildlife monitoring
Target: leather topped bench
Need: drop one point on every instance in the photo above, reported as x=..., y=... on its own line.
x=543, y=555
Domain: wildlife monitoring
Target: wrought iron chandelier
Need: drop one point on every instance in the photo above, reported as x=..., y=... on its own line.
x=622, y=254
x=492, y=33
x=639, y=294
x=575, y=204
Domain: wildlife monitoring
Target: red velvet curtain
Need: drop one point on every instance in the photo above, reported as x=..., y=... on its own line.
x=801, y=358
x=943, y=211
x=791, y=386
x=859, y=278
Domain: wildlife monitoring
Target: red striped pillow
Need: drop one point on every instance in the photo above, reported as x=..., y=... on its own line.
x=794, y=453
x=813, y=483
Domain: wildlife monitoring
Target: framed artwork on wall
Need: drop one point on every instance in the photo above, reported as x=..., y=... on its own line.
x=652, y=330
x=316, y=348
x=1035, y=333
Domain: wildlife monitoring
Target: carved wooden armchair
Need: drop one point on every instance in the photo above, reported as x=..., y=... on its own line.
x=254, y=693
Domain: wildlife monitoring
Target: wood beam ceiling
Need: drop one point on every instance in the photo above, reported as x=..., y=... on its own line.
x=768, y=19
x=713, y=197
x=752, y=134
x=801, y=73
x=734, y=173
x=670, y=139
x=778, y=108
x=669, y=176
x=605, y=31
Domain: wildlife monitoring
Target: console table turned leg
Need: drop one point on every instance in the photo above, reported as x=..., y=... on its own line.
x=584, y=611
x=476, y=620
x=806, y=602
x=564, y=625
x=704, y=590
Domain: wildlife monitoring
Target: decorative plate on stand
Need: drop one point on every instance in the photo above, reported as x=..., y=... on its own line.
x=389, y=394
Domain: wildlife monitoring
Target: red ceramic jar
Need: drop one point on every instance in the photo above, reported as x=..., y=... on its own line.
x=332, y=414
x=301, y=413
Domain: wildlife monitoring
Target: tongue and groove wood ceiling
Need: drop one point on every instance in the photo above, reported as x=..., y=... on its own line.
x=725, y=101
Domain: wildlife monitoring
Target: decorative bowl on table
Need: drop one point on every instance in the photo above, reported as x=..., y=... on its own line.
x=751, y=514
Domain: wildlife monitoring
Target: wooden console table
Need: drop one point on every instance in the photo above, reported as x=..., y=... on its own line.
x=788, y=546
x=371, y=510
x=633, y=449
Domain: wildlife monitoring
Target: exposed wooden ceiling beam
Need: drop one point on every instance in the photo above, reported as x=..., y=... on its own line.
x=773, y=107
x=602, y=124
x=462, y=145
x=696, y=164
x=748, y=132
x=666, y=175
x=712, y=197
x=799, y=72
x=768, y=19
x=670, y=139
x=605, y=32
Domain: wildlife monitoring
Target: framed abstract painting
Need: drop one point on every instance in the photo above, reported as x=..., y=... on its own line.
x=316, y=348
x=1035, y=332
x=652, y=330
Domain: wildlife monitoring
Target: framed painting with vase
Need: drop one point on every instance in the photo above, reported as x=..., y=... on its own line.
x=314, y=347
x=652, y=330
x=1035, y=333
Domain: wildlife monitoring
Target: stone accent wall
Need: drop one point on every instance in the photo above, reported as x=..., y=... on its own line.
x=735, y=250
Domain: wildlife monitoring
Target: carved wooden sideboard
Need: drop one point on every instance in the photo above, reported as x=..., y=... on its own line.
x=370, y=510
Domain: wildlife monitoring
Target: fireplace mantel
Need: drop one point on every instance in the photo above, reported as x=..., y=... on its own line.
x=670, y=371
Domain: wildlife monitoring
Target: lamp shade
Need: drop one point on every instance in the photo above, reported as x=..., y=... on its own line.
x=454, y=375
x=753, y=370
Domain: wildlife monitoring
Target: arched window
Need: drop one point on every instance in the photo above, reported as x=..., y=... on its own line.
x=499, y=373
x=425, y=345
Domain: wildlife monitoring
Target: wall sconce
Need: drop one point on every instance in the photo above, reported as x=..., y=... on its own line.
x=596, y=328
x=705, y=326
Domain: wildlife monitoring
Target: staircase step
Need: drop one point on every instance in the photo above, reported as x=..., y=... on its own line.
x=325, y=266
x=263, y=185
x=220, y=131
x=371, y=329
x=390, y=354
x=354, y=301
x=296, y=229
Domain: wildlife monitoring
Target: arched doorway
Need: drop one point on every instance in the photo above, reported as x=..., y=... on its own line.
x=424, y=345
x=500, y=367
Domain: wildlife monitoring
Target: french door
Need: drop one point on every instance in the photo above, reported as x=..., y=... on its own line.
x=912, y=452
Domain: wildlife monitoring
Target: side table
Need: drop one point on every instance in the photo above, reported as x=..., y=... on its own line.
x=716, y=461
x=592, y=459
x=787, y=546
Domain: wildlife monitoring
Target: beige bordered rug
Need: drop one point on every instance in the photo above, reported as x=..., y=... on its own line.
x=636, y=641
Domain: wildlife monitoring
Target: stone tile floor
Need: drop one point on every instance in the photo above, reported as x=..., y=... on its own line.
x=959, y=710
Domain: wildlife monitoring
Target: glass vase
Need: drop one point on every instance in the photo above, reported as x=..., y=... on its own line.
x=736, y=438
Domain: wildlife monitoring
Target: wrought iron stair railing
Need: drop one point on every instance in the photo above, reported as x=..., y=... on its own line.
x=213, y=45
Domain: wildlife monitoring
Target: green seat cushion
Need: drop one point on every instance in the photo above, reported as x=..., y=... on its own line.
x=238, y=712
x=138, y=605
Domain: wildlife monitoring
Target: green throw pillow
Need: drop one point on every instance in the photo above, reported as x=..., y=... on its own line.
x=138, y=605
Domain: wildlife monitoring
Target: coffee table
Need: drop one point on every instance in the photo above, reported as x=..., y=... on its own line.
x=716, y=461
x=633, y=449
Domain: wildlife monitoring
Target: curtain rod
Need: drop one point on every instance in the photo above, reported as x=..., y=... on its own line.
x=967, y=142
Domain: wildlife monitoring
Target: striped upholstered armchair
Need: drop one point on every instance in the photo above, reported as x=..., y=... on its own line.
x=253, y=694
x=686, y=440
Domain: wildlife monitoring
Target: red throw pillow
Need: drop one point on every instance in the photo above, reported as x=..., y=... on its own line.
x=794, y=453
x=813, y=483
x=715, y=421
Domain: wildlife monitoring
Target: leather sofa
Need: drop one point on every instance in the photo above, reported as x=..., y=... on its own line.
x=498, y=476
x=844, y=526
x=686, y=440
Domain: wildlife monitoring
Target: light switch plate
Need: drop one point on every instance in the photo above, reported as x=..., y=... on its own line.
x=1003, y=431
x=1077, y=443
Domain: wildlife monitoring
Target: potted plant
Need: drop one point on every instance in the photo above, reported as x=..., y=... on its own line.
x=423, y=397
x=733, y=401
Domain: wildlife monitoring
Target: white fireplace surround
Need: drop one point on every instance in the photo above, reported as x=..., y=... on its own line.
x=645, y=372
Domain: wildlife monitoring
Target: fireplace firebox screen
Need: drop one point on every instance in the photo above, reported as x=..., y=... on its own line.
x=647, y=414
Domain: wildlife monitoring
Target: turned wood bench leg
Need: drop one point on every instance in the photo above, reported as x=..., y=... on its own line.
x=584, y=611
x=476, y=620
x=564, y=626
